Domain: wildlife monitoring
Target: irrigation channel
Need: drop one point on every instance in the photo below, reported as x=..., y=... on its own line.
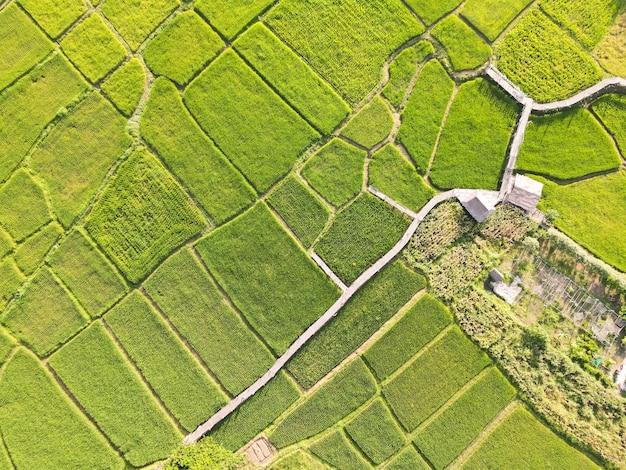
x=529, y=105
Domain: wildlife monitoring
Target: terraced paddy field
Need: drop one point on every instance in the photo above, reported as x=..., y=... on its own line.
x=186, y=187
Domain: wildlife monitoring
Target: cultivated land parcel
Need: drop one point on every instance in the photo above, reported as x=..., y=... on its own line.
x=187, y=186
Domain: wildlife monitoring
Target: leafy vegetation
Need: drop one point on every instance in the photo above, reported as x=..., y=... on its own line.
x=543, y=61
x=376, y=433
x=231, y=16
x=169, y=128
x=425, y=320
x=45, y=316
x=200, y=313
x=293, y=78
x=23, y=208
x=464, y=47
x=360, y=234
x=32, y=251
x=189, y=33
x=301, y=210
x=349, y=389
x=426, y=384
x=93, y=48
x=125, y=86
x=10, y=280
x=423, y=116
x=402, y=70
x=474, y=142
x=431, y=10
x=86, y=273
x=371, y=125
x=492, y=16
x=22, y=44
x=336, y=171
x=443, y=439
x=358, y=320
x=104, y=383
x=32, y=404
x=261, y=134
x=325, y=37
x=77, y=155
x=337, y=450
x=268, y=276
x=204, y=455
x=142, y=216
x=395, y=176
x=54, y=16
x=30, y=104
x=611, y=109
x=136, y=19
x=169, y=368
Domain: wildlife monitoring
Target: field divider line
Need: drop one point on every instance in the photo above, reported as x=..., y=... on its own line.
x=6, y=451
x=329, y=272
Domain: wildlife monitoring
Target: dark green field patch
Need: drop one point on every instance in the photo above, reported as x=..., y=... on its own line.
x=142, y=216
x=54, y=16
x=611, y=110
x=189, y=153
x=474, y=143
x=21, y=43
x=274, y=283
x=94, y=370
x=125, y=86
x=425, y=320
x=10, y=280
x=32, y=404
x=78, y=153
x=492, y=16
x=431, y=379
x=23, y=208
x=371, y=125
x=45, y=316
x=86, y=273
x=198, y=310
x=183, y=48
x=465, y=48
x=336, y=450
x=231, y=16
x=358, y=320
x=324, y=35
x=260, y=134
x=402, y=70
x=172, y=372
x=360, y=234
x=376, y=433
x=93, y=48
x=336, y=171
x=301, y=210
x=293, y=78
x=395, y=176
x=30, y=104
x=32, y=251
x=423, y=116
x=349, y=389
x=567, y=145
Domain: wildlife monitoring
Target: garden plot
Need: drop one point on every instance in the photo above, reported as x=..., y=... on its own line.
x=54, y=16
x=29, y=105
x=183, y=48
x=125, y=86
x=567, y=145
x=465, y=48
x=136, y=19
x=170, y=369
x=336, y=171
x=544, y=61
x=492, y=16
x=143, y=216
x=361, y=234
x=473, y=147
x=33, y=404
x=327, y=37
x=260, y=134
x=371, y=125
x=113, y=394
x=423, y=116
x=402, y=70
x=78, y=153
x=21, y=43
x=200, y=313
x=93, y=48
x=32, y=251
x=611, y=110
x=267, y=275
x=337, y=450
x=212, y=180
x=231, y=16
x=431, y=10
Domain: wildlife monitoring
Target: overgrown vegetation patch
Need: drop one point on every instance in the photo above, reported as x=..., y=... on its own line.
x=371, y=125
x=464, y=47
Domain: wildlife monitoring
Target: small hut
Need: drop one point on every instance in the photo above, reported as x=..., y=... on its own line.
x=478, y=207
x=526, y=193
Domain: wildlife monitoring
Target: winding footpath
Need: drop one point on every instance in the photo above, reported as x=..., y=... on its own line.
x=529, y=105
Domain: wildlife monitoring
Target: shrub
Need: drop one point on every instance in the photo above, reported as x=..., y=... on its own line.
x=204, y=455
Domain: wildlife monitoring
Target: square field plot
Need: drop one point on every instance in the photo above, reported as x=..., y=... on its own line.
x=125, y=86
x=258, y=131
x=371, y=125
x=21, y=43
x=54, y=16
x=348, y=41
x=143, y=216
x=93, y=48
x=268, y=276
x=136, y=19
x=23, y=207
x=230, y=16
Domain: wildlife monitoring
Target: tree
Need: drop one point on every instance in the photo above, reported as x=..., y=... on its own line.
x=204, y=455
x=551, y=215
